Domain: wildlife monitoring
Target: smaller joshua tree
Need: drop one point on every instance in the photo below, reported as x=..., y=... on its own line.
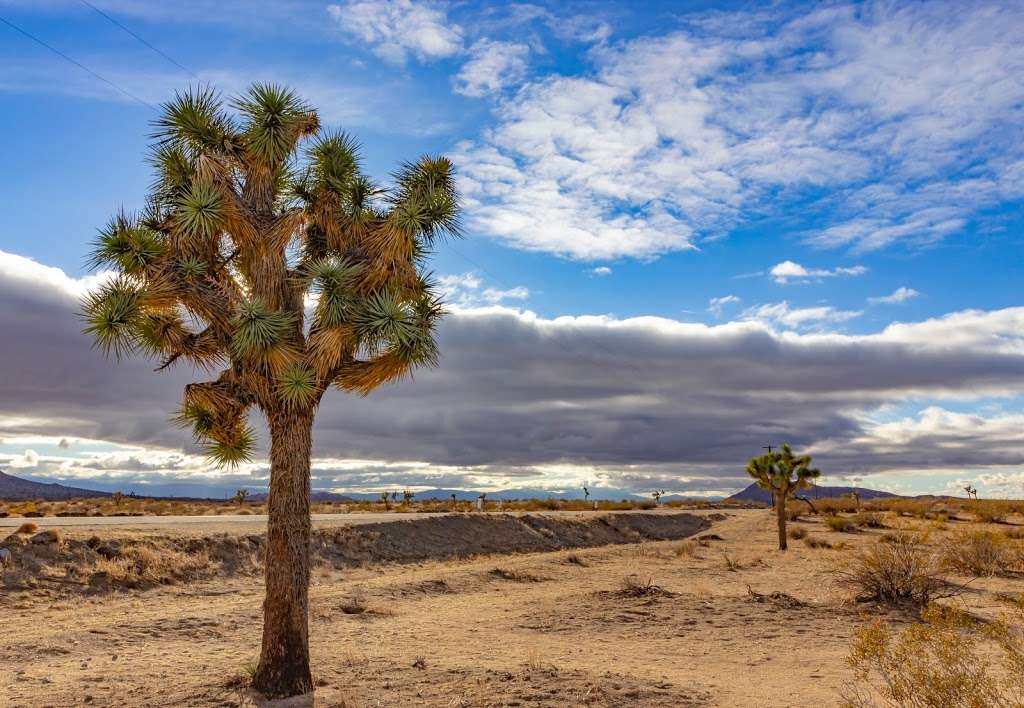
x=241, y=495
x=586, y=493
x=384, y=496
x=782, y=473
x=407, y=496
x=657, y=496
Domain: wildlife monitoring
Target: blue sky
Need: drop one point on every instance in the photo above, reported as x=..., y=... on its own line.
x=816, y=170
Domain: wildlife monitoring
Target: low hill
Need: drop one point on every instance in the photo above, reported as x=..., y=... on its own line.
x=755, y=494
x=17, y=489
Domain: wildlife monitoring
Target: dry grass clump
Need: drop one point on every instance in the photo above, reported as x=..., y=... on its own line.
x=981, y=552
x=814, y=542
x=27, y=528
x=516, y=576
x=575, y=559
x=1015, y=534
x=797, y=532
x=143, y=565
x=943, y=661
x=841, y=524
x=635, y=586
x=870, y=519
x=901, y=571
x=687, y=549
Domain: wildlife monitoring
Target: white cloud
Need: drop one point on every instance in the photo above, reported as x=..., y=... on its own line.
x=466, y=290
x=782, y=314
x=790, y=271
x=717, y=304
x=601, y=270
x=901, y=294
x=906, y=117
x=492, y=67
x=396, y=28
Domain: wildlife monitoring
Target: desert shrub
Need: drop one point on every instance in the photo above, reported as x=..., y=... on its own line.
x=516, y=576
x=142, y=565
x=903, y=570
x=27, y=528
x=636, y=586
x=574, y=559
x=687, y=548
x=869, y=519
x=980, y=553
x=814, y=542
x=943, y=661
x=841, y=524
x=797, y=532
x=1015, y=533
x=990, y=512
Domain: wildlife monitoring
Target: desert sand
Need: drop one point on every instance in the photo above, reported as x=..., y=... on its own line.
x=560, y=628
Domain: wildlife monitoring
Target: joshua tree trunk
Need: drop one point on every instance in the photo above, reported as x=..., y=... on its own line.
x=780, y=513
x=284, y=659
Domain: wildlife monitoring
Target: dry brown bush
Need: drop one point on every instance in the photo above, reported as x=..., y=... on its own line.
x=813, y=542
x=687, y=548
x=901, y=571
x=797, y=532
x=841, y=524
x=980, y=552
x=869, y=519
x=27, y=528
x=143, y=565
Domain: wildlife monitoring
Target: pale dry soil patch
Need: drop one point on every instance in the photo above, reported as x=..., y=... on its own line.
x=539, y=629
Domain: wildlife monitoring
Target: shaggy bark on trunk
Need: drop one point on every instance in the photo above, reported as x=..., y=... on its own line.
x=284, y=657
x=780, y=513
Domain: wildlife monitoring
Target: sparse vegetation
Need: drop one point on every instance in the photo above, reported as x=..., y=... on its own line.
x=797, y=532
x=980, y=552
x=841, y=524
x=943, y=661
x=902, y=571
x=815, y=542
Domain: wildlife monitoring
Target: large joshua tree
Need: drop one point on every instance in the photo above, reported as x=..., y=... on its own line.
x=264, y=252
x=783, y=474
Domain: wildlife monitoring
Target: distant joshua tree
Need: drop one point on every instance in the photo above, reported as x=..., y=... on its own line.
x=241, y=495
x=407, y=496
x=657, y=496
x=586, y=493
x=454, y=501
x=384, y=496
x=971, y=491
x=782, y=473
x=117, y=498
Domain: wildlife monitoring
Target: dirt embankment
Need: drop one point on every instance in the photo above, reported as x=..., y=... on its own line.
x=95, y=564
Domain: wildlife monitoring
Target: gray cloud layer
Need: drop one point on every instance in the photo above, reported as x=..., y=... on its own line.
x=635, y=401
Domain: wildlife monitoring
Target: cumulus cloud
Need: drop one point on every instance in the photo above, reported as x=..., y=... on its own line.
x=906, y=117
x=394, y=29
x=792, y=272
x=901, y=294
x=601, y=270
x=492, y=67
x=520, y=399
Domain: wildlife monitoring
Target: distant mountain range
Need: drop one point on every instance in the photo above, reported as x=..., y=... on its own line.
x=18, y=489
x=755, y=494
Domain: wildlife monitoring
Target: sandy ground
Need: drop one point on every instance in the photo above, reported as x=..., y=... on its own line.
x=551, y=629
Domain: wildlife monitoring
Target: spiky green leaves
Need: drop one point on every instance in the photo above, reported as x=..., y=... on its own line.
x=427, y=202
x=334, y=280
x=196, y=123
x=258, y=330
x=334, y=161
x=297, y=386
x=200, y=211
x=127, y=246
x=112, y=316
x=232, y=451
x=275, y=118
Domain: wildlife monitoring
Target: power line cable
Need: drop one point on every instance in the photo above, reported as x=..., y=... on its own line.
x=140, y=39
x=79, y=64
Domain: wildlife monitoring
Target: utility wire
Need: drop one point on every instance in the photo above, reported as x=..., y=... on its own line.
x=143, y=41
x=79, y=64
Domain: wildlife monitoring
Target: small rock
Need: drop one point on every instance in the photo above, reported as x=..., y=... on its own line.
x=5, y=558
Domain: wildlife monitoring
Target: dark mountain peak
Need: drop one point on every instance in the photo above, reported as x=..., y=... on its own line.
x=755, y=494
x=17, y=489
